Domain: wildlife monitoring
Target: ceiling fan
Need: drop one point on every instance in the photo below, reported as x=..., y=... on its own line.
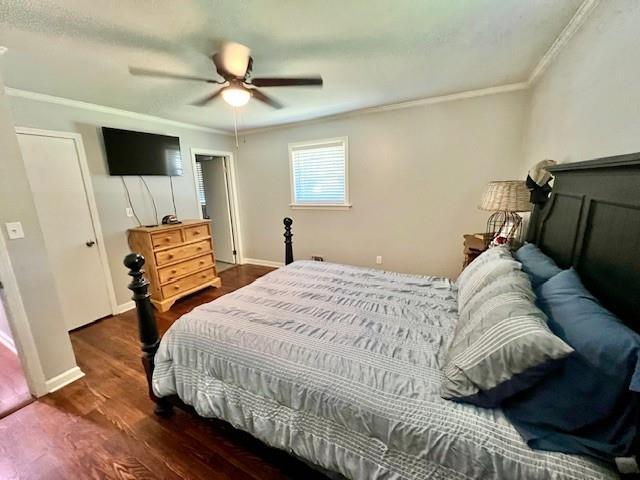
x=234, y=64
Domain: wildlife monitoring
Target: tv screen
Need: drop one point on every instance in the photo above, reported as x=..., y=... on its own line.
x=138, y=153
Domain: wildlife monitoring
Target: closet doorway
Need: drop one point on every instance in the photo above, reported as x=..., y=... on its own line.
x=216, y=195
x=14, y=390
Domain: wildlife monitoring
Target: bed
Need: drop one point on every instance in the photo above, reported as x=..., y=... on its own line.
x=341, y=366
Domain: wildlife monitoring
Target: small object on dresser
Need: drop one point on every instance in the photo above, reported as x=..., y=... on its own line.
x=170, y=220
x=474, y=245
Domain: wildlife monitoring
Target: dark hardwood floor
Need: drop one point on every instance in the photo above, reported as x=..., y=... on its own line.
x=14, y=391
x=102, y=426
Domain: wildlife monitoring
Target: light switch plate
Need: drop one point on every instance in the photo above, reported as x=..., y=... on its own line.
x=14, y=230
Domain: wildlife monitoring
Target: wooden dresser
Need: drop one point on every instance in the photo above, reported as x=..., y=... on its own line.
x=179, y=259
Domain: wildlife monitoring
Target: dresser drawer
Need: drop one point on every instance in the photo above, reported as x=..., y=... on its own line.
x=167, y=274
x=187, y=283
x=174, y=254
x=166, y=239
x=194, y=233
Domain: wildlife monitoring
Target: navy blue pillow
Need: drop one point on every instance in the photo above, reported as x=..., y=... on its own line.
x=536, y=264
x=586, y=405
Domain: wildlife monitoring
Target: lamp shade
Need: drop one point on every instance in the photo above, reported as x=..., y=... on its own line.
x=506, y=196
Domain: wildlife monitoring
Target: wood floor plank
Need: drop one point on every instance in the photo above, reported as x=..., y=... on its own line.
x=102, y=426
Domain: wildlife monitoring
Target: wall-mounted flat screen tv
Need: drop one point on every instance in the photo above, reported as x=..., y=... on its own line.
x=139, y=153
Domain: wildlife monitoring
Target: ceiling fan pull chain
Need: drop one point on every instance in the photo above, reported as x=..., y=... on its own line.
x=235, y=125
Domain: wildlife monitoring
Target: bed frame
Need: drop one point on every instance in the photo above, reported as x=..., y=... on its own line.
x=591, y=222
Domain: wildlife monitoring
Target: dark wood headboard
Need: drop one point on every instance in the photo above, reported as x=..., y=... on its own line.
x=592, y=222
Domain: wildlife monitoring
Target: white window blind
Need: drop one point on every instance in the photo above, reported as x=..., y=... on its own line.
x=319, y=172
x=200, y=183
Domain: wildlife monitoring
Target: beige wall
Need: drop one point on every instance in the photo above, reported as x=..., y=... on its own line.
x=416, y=178
x=109, y=192
x=587, y=104
x=28, y=255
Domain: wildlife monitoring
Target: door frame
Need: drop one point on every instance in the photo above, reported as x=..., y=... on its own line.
x=232, y=184
x=19, y=325
x=91, y=202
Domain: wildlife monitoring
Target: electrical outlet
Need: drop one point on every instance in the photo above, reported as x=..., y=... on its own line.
x=129, y=211
x=317, y=258
x=379, y=260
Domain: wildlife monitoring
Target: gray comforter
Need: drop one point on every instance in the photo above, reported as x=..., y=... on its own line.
x=341, y=366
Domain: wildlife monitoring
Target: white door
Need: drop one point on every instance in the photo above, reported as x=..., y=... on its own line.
x=55, y=176
x=216, y=193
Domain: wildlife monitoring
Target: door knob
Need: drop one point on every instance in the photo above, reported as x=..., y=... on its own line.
x=89, y=243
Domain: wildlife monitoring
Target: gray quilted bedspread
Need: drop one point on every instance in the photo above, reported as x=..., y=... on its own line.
x=340, y=366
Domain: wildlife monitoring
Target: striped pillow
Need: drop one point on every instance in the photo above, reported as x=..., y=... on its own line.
x=502, y=344
x=488, y=267
x=486, y=256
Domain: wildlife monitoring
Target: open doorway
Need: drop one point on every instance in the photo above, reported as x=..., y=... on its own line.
x=216, y=198
x=14, y=390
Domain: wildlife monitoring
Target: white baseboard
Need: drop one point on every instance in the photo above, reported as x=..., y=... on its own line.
x=263, y=263
x=64, y=379
x=7, y=341
x=125, y=307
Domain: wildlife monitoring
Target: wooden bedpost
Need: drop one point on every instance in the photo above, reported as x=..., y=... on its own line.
x=288, y=246
x=147, y=326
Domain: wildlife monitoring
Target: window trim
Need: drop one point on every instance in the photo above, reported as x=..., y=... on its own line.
x=320, y=206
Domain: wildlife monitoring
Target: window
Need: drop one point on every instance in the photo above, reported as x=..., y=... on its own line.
x=319, y=174
x=200, y=184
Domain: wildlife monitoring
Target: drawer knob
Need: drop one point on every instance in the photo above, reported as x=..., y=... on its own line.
x=167, y=239
x=199, y=248
x=201, y=262
x=174, y=271
x=170, y=255
x=176, y=287
x=197, y=232
x=203, y=276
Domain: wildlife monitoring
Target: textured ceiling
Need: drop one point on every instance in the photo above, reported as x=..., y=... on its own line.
x=369, y=52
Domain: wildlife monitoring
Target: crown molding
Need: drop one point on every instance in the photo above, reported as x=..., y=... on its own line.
x=576, y=22
x=511, y=87
x=42, y=97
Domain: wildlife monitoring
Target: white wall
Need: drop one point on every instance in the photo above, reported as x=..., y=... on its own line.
x=109, y=192
x=29, y=256
x=587, y=104
x=416, y=178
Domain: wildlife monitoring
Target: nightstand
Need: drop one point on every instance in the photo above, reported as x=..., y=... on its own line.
x=474, y=245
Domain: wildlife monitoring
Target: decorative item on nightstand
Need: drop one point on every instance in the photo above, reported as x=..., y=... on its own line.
x=505, y=199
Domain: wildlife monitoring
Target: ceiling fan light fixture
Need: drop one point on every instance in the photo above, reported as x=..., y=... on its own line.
x=236, y=96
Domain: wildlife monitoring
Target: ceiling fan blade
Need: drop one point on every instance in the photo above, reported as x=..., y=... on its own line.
x=208, y=98
x=233, y=58
x=144, y=72
x=287, y=82
x=258, y=95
